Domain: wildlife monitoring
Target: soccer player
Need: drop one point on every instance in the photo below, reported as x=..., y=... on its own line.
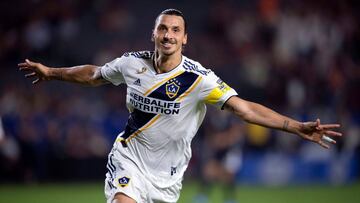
x=166, y=96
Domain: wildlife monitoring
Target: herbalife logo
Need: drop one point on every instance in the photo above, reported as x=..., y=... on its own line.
x=137, y=82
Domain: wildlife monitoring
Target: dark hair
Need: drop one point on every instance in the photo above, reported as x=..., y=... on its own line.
x=175, y=12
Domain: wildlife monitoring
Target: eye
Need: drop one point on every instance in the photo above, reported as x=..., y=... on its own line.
x=161, y=28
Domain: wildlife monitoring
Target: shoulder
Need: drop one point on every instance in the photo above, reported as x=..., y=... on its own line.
x=195, y=67
x=210, y=79
x=139, y=54
x=132, y=58
x=129, y=60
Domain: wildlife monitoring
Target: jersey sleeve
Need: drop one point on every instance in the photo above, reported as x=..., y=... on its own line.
x=215, y=91
x=112, y=71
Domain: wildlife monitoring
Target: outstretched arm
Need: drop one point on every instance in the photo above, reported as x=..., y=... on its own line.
x=260, y=115
x=85, y=74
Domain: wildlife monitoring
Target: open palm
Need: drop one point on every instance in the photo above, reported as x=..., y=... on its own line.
x=319, y=133
x=35, y=70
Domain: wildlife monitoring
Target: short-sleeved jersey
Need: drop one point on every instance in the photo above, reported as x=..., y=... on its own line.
x=166, y=110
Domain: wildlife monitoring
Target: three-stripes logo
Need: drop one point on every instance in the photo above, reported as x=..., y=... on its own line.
x=137, y=82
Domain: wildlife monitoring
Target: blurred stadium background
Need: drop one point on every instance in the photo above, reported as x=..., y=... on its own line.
x=300, y=58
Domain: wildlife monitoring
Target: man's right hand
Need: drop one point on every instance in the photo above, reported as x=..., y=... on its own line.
x=36, y=70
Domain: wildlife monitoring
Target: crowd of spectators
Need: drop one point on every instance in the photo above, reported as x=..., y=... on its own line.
x=300, y=58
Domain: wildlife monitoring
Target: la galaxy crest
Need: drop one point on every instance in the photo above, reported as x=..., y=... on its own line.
x=172, y=88
x=124, y=181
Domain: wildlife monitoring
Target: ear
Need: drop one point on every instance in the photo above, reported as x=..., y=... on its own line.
x=184, y=41
x=152, y=36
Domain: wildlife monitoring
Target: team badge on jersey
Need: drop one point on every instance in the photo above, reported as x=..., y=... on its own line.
x=124, y=181
x=142, y=70
x=172, y=88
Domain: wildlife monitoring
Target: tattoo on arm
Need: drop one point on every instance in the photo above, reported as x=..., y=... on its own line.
x=286, y=125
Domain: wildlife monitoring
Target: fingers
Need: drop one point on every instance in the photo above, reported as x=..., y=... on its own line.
x=319, y=133
x=328, y=139
x=317, y=126
x=30, y=75
x=322, y=141
x=24, y=66
x=314, y=124
x=36, y=81
x=34, y=68
x=332, y=133
x=30, y=62
x=323, y=144
x=27, y=64
x=310, y=124
x=329, y=126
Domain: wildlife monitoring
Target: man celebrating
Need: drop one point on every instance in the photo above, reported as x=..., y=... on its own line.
x=166, y=96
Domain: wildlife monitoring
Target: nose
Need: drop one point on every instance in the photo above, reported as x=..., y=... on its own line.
x=168, y=35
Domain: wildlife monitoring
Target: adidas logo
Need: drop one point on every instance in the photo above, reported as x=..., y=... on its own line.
x=137, y=82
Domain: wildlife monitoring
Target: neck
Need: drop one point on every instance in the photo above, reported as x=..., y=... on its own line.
x=164, y=63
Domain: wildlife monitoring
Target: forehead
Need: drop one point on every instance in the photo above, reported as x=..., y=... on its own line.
x=170, y=21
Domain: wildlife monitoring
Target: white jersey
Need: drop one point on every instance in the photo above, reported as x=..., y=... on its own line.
x=166, y=110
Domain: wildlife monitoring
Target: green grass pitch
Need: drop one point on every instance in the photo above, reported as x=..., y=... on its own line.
x=93, y=193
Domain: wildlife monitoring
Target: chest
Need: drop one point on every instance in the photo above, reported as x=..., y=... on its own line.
x=165, y=87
